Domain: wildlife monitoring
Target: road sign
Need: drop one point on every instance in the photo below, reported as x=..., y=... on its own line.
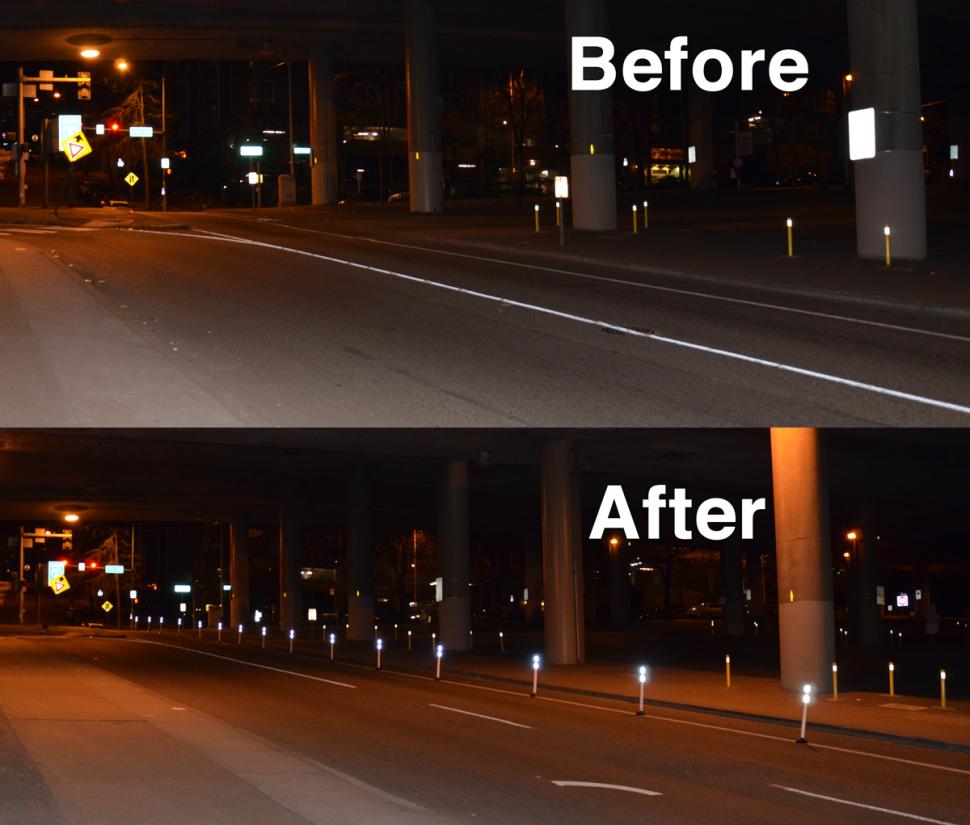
x=60, y=585
x=141, y=131
x=131, y=178
x=76, y=147
x=55, y=570
x=84, y=87
x=106, y=607
x=114, y=569
x=67, y=126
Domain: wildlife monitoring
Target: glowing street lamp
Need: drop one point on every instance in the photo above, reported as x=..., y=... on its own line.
x=90, y=53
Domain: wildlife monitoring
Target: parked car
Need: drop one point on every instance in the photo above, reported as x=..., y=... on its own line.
x=705, y=610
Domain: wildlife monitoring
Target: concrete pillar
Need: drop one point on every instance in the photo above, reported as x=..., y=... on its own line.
x=562, y=556
x=890, y=188
x=756, y=583
x=360, y=557
x=805, y=612
x=732, y=587
x=291, y=557
x=239, y=604
x=868, y=612
x=424, y=109
x=620, y=583
x=455, y=612
x=700, y=135
x=592, y=164
x=533, y=576
x=323, y=129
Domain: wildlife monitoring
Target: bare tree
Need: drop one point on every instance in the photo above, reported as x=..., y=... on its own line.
x=141, y=102
x=519, y=105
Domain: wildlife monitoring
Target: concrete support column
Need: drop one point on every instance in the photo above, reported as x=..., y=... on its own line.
x=562, y=556
x=455, y=612
x=592, y=149
x=869, y=614
x=890, y=188
x=360, y=557
x=424, y=109
x=323, y=129
x=620, y=583
x=733, y=588
x=239, y=604
x=805, y=611
x=700, y=135
x=291, y=553
x=756, y=583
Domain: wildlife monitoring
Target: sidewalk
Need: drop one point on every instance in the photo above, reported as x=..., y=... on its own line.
x=744, y=250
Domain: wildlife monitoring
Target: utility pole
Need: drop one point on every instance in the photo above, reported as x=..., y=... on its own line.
x=21, y=202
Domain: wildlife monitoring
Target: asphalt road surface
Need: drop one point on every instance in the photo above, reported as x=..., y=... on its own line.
x=110, y=730
x=237, y=321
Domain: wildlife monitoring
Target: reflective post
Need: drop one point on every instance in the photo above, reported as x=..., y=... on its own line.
x=943, y=689
x=239, y=634
x=380, y=647
x=535, y=675
x=727, y=669
x=889, y=245
x=292, y=634
x=200, y=628
x=537, y=217
x=439, y=652
x=333, y=641
x=835, y=682
x=791, y=244
x=263, y=634
x=636, y=228
x=642, y=677
x=410, y=640
x=806, y=701
x=501, y=642
x=219, y=633
x=892, y=679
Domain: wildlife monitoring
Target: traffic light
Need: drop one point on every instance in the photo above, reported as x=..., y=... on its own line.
x=114, y=126
x=84, y=88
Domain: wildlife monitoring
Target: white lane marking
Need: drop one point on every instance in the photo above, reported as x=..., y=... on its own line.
x=244, y=662
x=21, y=231
x=889, y=811
x=639, y=284
x=607, y=325
x=481, y=716
x=565, y=783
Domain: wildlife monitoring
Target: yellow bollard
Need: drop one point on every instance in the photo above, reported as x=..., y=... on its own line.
x=835, y=682
x=889, y=245
x=558, y=214
x=646, y=215
x=943, y=689
x=791, y=245
x=727, y=669
x=635, y=227
x=501, y=642
x=537, y=217
x=892, y=679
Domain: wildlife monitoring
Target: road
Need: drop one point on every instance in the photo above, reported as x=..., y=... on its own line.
x=150, y=728
x=238, y=321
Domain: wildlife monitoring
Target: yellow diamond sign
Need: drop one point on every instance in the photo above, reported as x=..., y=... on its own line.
x=131, y=178
x=59, y=585
x=76, y=147
x=106, y=607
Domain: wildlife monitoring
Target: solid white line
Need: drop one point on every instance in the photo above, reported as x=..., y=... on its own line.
x=638, y=284
x=889, y=811
x=244, y=662
x=565, y=783
x=481, y=716
x=607, y=325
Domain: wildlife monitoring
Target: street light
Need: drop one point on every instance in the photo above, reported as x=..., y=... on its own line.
x=90, y=53
x=122, y=65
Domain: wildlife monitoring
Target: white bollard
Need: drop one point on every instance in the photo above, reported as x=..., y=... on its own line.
x=239, y=633
x=219, y=634
x=292, y=634
x=535, y=675
x=380, y=647
x=263, y=634
x=806, y=701
x=333, y=639
x=642, y=677
x=439, y=652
